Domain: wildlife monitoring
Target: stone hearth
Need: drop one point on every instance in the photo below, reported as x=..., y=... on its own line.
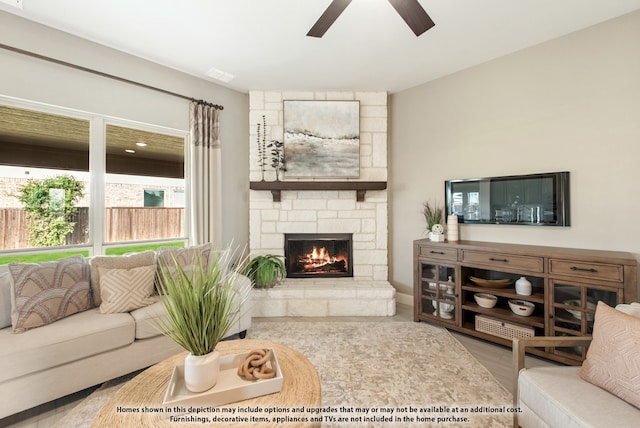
x=325, y=298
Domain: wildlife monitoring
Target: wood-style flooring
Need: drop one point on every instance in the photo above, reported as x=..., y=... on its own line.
x=497, y=359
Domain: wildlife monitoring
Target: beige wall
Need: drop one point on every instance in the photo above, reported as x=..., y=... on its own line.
x=569, y=104
x=36, y=80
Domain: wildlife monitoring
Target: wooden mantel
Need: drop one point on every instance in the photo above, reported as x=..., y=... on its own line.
x=276, y=187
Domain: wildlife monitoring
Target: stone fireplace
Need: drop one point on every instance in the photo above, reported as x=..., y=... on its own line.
x=357, y=286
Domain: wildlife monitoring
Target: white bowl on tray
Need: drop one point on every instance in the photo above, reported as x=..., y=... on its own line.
x=485, y=300
x=521, y=307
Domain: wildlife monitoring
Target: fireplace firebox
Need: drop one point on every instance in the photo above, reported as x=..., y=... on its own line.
x=318, y=255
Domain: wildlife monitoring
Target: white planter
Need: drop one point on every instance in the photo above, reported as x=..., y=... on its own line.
x=201, y=371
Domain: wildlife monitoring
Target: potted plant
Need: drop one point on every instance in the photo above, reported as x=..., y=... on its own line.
x=265, y=271
x=202, y=301
x=433, y=215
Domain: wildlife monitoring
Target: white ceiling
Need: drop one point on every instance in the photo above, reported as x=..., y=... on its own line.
x=263, y=43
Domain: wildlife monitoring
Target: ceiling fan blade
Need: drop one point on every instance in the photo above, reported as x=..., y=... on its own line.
x=413, y=14
x=328, y=18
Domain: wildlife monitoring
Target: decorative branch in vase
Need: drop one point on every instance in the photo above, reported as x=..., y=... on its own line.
x=262, y=145
x=278, y=161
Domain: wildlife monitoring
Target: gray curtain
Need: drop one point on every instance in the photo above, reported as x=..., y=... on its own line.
x=206, y=175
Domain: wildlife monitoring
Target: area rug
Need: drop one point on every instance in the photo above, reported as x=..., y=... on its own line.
x=378, y=374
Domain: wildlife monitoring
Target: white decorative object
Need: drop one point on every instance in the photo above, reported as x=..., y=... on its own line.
x=437, y=233
x=452, y=228
x=228, y=389
x=524, y=287
x=485, y=300
x=201, y=371
x=521, y=307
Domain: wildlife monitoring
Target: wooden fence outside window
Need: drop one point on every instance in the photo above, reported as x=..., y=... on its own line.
x=122, y=224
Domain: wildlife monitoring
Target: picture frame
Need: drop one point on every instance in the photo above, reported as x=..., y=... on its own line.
x=322, y=139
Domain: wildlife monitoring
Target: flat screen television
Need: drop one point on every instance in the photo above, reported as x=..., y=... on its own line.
x=532, y=199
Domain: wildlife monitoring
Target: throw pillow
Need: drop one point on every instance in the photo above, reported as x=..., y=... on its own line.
x=5, y=300
x=613, y=359
x=187, y=258
x=129, y=261
x=46, y=292
x=124, y=290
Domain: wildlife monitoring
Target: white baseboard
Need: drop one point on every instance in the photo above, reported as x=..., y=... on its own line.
x=405, y=299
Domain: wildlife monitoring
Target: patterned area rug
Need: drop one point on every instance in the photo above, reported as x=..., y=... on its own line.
x=378, y=374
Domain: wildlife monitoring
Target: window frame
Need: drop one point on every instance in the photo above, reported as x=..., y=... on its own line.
x=96, y=244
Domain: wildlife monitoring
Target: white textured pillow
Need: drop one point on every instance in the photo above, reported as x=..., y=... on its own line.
x=5, y=300
x=123, y=290
x=128, y=261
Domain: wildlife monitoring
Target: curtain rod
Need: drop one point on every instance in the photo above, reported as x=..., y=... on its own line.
x=107, y=75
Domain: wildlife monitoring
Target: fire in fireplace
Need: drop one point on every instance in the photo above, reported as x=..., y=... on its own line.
x=313, y=255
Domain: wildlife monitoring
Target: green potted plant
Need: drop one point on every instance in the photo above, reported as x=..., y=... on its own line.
x=433, y=215
x=202, y=301
x=265, y=271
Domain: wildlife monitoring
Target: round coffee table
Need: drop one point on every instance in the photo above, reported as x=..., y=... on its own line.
x=300, y=389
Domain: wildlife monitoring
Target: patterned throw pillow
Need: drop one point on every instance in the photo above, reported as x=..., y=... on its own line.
x=144, y=258
x=613, y=359
x=124, y=290
x=187, y=258
x=46, y=292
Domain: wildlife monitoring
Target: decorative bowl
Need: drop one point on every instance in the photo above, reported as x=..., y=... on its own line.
x=492, y=283
x=521, y=307
x=578, y=314
x=485, y=300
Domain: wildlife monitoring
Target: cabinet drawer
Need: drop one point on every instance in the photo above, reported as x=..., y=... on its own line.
x=450, y=254
x=601, y=271
x=500, y=261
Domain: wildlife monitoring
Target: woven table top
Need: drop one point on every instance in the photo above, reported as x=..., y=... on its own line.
x=300, y=389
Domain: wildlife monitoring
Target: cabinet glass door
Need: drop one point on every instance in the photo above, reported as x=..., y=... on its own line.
x=574, y=307
x=438, y=291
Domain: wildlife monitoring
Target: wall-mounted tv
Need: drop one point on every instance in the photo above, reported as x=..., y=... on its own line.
x=532, y=199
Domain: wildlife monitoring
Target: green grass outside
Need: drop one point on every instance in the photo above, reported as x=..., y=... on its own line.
x=112, y=251
x=118, y=251
x=41, y=257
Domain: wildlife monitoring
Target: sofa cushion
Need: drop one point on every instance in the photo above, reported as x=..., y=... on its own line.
x=128, y=261
x=630, y=308
x=149, y=320
x=46, y=292
x=5, y=300
x=124, y=290
x=72, y=338
x=559, y=397
x=613, y=359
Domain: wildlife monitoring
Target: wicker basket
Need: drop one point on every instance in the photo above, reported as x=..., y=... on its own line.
x=503, y=329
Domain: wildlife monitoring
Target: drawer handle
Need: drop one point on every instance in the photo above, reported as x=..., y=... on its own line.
x=592, y=270
x=493, y=259
x=437, y=252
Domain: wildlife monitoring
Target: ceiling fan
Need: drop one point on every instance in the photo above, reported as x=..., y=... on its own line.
x=410, y=10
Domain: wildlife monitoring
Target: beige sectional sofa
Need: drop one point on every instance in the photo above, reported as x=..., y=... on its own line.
x=604, y=392
x=80, y=350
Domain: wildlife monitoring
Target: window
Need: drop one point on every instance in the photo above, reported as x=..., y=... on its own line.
x=39, y=147
x=136, y=160
x=137, y=170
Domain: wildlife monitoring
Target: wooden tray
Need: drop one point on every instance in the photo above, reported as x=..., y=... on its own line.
x=229, y=388
x=492, y=283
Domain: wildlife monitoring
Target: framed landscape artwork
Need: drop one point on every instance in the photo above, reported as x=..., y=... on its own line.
x=322, y=138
